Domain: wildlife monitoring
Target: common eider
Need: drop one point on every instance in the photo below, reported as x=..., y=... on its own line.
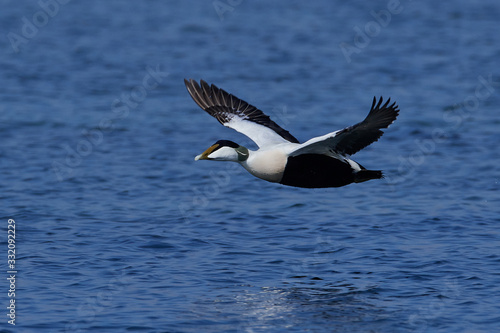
x=323, y=161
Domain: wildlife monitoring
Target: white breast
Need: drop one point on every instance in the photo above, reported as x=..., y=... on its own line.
x=267, y=164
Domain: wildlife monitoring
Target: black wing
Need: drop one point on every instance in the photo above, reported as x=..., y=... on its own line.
x=225, y=107
x=352, y=139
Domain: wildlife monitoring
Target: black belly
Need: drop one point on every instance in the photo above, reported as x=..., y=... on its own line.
x=312, y=171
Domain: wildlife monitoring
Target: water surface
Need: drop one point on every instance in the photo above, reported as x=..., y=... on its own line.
x=118, y=229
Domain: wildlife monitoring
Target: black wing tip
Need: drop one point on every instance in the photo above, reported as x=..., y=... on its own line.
x=201, y=87
x=386, y=105
x=191, y=86
x=383, y=114
x=194, y=84
x=190, y=82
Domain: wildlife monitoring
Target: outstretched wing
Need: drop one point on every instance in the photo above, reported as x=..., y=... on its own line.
x=234, y=113
x=352, y=139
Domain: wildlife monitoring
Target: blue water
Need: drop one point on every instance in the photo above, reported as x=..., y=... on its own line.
x=119, y=229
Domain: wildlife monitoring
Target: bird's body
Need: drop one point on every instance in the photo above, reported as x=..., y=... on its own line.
x=319, y=162
x=268, y=164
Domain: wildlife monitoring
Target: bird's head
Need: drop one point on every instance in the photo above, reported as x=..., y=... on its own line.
x=224, y=150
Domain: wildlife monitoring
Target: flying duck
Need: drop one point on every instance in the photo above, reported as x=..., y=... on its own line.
x=323, y=161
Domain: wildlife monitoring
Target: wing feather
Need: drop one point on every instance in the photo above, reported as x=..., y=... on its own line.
x=237, y=114
x=352, y=139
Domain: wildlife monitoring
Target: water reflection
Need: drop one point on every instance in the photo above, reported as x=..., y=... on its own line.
x=339, y=308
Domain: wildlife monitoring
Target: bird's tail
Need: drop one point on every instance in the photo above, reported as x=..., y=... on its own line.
x=364, y=175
